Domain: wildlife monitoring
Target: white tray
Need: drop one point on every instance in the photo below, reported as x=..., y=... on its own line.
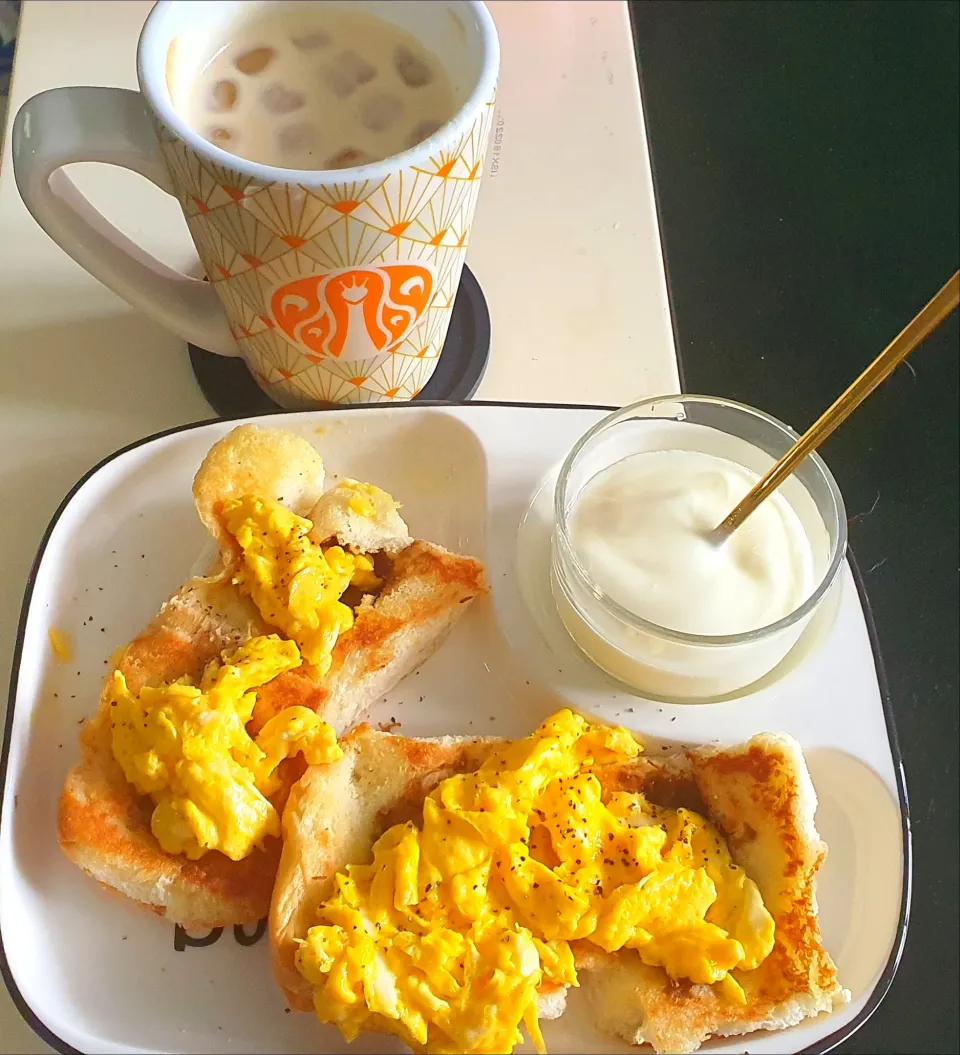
x=92, y=973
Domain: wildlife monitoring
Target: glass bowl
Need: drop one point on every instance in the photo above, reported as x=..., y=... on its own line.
x=657, y=661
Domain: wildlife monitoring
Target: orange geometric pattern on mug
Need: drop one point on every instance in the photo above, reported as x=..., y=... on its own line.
x=355, y=313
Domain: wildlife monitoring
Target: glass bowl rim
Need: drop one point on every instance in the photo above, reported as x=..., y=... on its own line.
x=568, y=553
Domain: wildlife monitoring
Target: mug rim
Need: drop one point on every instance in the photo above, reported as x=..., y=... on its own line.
x=151, y=77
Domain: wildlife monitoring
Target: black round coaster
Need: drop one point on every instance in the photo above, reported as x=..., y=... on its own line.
x=232, y=392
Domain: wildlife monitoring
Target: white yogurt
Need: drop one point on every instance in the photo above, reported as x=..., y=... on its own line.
x=640, y=528
x=633, y=579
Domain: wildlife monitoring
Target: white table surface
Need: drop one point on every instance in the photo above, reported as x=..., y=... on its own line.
x=565, y=245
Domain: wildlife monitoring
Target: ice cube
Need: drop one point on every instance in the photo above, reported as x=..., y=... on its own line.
x=413, y=71
x=256, y=60
x=301, y=136
x=379, y=111
x=423, y=131
x=223, y=96
x=316, y=38
x=280, y=100
x=346, y=72
x=347, y=158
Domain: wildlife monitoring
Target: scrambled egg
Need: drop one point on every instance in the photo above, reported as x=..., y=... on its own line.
x=295, y=582
x=186, y=746
x=362, y=499
x=61, y=644
x=446, y=937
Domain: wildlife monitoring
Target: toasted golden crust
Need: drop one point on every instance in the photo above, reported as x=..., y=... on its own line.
x=103, y=823
x=271, y=463
x=427, y=592
x=201, y=619
x=759, y=794
x=104, y=827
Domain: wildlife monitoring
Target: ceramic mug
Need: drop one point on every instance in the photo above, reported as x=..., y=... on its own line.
x=334, y=286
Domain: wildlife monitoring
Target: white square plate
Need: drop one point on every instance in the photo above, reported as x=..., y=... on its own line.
x=93, y=973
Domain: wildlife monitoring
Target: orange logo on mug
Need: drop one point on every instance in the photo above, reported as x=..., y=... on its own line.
x=357, y=313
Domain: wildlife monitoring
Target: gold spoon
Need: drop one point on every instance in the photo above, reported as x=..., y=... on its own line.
x=919, y=328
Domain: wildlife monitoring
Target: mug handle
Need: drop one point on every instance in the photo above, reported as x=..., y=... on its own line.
x=64, y=125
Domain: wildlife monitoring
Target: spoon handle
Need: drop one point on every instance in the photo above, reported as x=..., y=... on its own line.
x=920, y=327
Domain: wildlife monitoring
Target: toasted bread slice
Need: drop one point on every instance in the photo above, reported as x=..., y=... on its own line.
x=334, y=516
x=334, y=816
x=759, y=795
x=271, y=463
x=104, y=825
x=336, y=813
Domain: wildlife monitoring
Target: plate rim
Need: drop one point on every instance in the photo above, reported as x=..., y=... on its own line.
x=820, y=1047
